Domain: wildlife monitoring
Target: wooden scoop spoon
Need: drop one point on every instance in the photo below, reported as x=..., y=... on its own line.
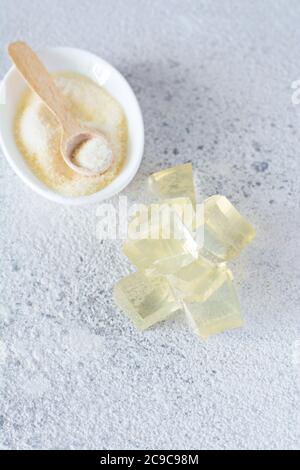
x=73, y=133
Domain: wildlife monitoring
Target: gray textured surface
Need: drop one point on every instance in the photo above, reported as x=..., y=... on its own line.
x=214, y=82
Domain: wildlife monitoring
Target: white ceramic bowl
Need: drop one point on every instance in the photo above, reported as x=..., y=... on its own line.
x=74, y=60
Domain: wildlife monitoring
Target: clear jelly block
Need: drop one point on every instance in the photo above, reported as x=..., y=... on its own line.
x=145, y=299
x=198, y=280
x=164, y=244
x=191, y=215
x=218, y=313
x=226, y=232
x=174, y=182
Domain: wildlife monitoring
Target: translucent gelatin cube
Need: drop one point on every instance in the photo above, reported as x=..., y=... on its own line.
x=190, y=215
x=226, y=232
x=198, y=280
x=165, y=246
x=176, y=181
x=218, y=313
x=145, y=299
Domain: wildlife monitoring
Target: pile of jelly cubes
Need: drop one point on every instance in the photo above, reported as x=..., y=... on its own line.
x=182, y=274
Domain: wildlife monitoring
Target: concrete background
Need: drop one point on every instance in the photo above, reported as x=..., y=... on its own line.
x=214, y=83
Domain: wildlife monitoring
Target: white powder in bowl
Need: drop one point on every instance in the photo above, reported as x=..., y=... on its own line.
x=93, y=154
x=38, y=134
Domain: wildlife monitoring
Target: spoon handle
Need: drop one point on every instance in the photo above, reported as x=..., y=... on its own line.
x=39, y=79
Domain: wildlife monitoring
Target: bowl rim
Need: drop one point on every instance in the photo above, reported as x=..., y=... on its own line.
x=107, y=191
